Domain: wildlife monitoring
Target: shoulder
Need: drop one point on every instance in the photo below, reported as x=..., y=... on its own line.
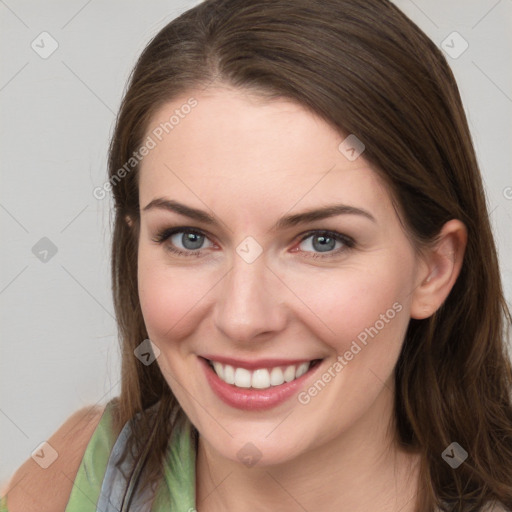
x=33, y=488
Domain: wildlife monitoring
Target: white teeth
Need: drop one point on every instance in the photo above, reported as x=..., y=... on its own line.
x=242, y=378
x=302, y=369
x=289, y=373
x=229, y=374
x=218, y=369
x=276, y=376
x=262, y=378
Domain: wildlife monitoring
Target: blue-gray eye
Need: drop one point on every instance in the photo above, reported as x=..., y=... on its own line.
x=325, y=242
x=190, y=240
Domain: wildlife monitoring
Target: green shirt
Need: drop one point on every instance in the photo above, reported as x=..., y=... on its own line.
x=175, y=492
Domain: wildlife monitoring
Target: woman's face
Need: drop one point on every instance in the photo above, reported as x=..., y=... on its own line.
x=261, y=289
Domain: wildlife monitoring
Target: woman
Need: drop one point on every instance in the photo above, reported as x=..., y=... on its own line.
x=301, y=232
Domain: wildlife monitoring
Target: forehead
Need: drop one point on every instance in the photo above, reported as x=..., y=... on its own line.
x=235, y=147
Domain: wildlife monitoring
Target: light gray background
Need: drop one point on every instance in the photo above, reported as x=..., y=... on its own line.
x=59, y=346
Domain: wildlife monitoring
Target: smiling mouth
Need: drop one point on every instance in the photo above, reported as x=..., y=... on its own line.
x=260, y=378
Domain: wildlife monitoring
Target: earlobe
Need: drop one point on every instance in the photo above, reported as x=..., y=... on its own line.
x=129, y=221
x=441, y=265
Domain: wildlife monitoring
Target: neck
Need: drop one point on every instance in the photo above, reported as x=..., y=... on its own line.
x=361, y=469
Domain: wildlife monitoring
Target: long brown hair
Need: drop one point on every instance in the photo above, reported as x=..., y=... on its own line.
x=366, y=69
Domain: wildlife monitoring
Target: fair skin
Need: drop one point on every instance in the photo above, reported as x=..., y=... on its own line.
x=34, y=489
x=248, y=162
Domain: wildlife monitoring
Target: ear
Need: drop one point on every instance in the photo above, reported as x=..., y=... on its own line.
x=439, y=269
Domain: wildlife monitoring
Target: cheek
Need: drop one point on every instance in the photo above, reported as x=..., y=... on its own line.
x=361, y=314
x=357, y=303
x=170, y=298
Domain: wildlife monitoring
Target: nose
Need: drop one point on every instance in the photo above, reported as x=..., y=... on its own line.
x=250, y=303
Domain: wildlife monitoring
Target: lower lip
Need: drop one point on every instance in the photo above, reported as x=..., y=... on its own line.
x=251, y=399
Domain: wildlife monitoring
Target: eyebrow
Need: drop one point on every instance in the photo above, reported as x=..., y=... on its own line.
x=284, y=222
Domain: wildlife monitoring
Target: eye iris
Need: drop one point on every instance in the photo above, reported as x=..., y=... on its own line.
x=194, y=239
x=327, y=243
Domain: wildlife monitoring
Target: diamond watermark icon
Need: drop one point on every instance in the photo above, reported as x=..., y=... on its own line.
x=44, y=250
x=454, y=45
x=147, y=352
x=249, y=249
x=249, y=455
x=45, y=455
x=351, y=148
x=44, y=45
x=455, y=455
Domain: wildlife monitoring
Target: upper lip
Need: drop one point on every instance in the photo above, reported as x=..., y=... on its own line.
x=258, y=363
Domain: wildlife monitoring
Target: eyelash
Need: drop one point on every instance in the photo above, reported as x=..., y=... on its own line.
x=348, y=242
